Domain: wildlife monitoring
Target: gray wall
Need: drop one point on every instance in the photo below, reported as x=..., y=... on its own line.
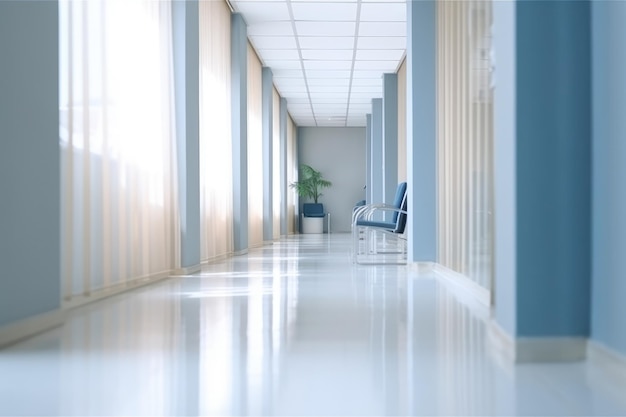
x=29, y=159
x=609, y=172
x=339, y=154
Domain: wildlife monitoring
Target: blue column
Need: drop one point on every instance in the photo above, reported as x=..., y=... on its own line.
x=609, y=171
x=376, y=152
x=267, y=93
x=542, y=147
x=284, y=208
x=390, y=136
x=239, y=102
x=553, y=168
x=30, y=186
x=186, y=78
x=422, y=130
x=368, y=156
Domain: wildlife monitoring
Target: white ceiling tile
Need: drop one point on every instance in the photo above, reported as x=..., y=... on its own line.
x=340, y=82
x=374, y=12
x=329, y=89
x=327, y=54
x=384, y=66
x=325, y=28
x=324, y=12
x=297, y=100
x=354, y=95
x=327, y=74
x=271, y=29
x=382, y=29
x=329, y=65
x=380, y=54
x=298, y=95
x=367, y=82
x=383, y=42
x=368, y=74
x=285, y=64
x=262, y=11
x=326, y=42
x=385, y=1
x=361, y=100
x=289, y=81
x=366, y=89
x=330, y=106
x=278, y=54
x=286, y=73
x=330, y=100
x=274, y=42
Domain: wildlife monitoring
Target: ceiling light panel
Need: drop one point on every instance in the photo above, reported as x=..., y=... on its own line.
x=382, y=29
x=340, y=82
x=385, y=66
x=327, y=55
x=388, y=12
x=325, y=28
x=380, y=54
x=327, y=74
x=381, y=42
x=327, y=65
x=329, y=89
x=324, y=12
x=262, y=11
x=326, y=42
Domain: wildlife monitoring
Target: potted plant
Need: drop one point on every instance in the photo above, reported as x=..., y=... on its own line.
x=309, y=186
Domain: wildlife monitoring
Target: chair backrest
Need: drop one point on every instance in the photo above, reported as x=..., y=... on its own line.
x=401, y=217
x=399, y=200
x=313, y=210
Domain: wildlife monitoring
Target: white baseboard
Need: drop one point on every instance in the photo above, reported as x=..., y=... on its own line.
x=534, y=349
x=608, y=359
x=22, y=329
x=550, y=349
x=481, y=294
x=82, y=299
x=187, y=270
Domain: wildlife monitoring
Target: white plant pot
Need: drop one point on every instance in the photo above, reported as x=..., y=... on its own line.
x=312, y=224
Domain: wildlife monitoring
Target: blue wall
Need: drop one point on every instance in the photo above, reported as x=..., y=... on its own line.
x=609, y=175
x=553, y=168
x=29, y=159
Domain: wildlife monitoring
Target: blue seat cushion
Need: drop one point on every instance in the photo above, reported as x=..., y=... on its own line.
x=313, y=210
x=372, y=223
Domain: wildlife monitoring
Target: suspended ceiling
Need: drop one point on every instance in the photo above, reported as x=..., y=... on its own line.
x=327, y=57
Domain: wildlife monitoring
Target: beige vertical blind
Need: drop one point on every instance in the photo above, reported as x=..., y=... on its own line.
x=465, y=138
x=216, y=218
x=255, y=150
x=117, y=144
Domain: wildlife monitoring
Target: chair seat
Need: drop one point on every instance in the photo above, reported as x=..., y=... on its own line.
x=371, y=223
x=315, y=215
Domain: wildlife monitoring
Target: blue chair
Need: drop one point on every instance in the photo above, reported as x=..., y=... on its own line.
x=314, y=210
x=379, y=229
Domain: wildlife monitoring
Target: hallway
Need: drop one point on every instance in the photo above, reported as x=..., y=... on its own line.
x=292, y=328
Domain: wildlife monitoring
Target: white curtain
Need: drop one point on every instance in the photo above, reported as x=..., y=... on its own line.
x=255, y=150
x=216, y=201
x=118, y=153
x=465, y=138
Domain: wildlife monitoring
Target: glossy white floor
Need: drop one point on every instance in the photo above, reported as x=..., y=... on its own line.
x=292, y=328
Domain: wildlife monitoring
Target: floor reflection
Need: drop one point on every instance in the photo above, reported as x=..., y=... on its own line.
x=292, y=328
